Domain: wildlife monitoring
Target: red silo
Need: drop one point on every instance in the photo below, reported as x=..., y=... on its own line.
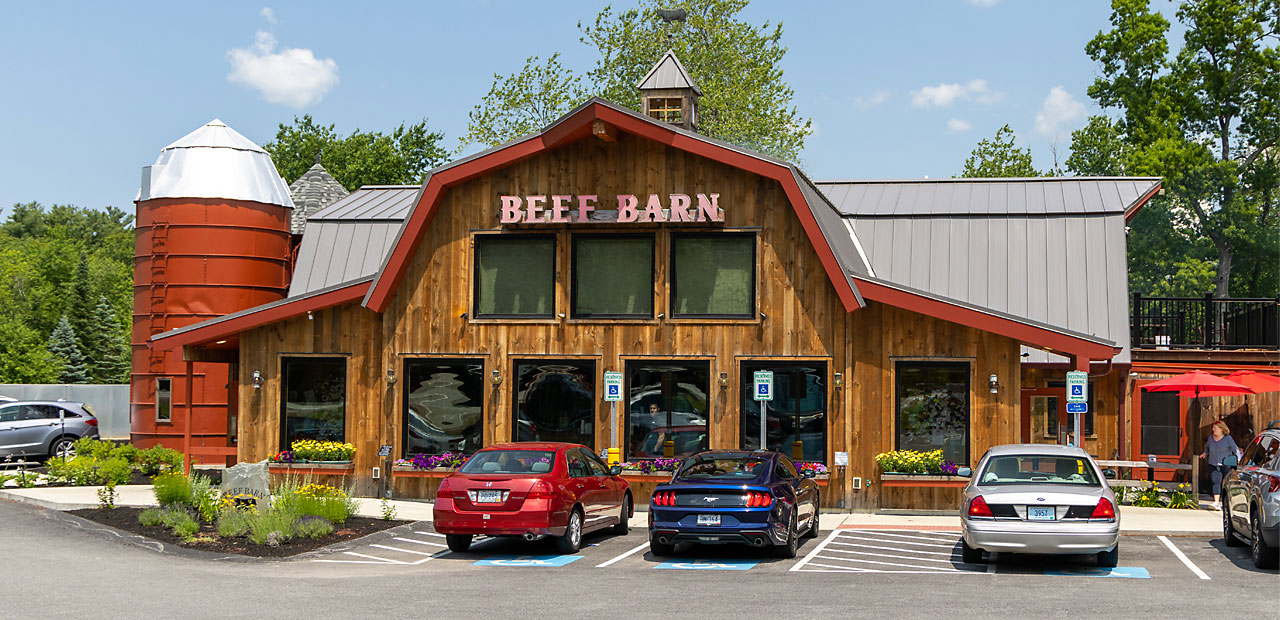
x=212, y=238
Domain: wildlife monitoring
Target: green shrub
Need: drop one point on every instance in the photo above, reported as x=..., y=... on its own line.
x=181, y=522
x=127, y=452
x=151, y=517
x=158, y=459
x=76, y=471
x=233, y=522
x=278, y=522
x=95, y=448
x=172, y=489
x=313, y=527
x=204, y=497
x=114, y=469
x=314, y=500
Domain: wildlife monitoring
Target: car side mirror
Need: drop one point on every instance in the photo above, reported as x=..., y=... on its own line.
x=964, y=471
x=1109, y=474
x=1231, y=461
x=615, y=470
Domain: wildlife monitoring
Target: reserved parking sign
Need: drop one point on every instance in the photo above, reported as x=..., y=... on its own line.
x=763, y=382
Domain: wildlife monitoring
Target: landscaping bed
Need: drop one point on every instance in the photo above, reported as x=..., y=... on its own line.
x=207, y=539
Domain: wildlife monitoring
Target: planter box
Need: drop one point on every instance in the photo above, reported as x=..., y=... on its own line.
x=320, y=469
x=402, y=471
x=922, y=480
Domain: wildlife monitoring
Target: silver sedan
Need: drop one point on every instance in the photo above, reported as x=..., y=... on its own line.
x=1037, y=498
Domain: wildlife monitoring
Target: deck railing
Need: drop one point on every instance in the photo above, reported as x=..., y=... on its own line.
x=1204, y=323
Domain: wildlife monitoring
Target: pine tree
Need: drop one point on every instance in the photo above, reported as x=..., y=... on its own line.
x=110, y=364
x=63, y=346
x=79, y=306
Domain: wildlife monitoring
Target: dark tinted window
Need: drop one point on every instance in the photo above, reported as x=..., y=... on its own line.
x=798, y=411
x=721, y=467
x=315, y=399
x=444, y=406
x=1160, y=422
x=667, y=399
x=579, y=464
x=713, y=275
x=613, y=276
x=164, y=399
x=515, y=276
x=555, y=401
x=9, y=413
x=933, y=408
x=1270, y=448
x=598, y=468
x=788, y=469
x=1038, y=470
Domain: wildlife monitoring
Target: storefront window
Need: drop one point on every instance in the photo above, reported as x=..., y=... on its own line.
x=443, y=406
x=315, y=399
x=667, y=400
x=515, y=276
x=933, y=408
x=613, y=276
x=713, y=275
x=798, y=411
x=555, y=401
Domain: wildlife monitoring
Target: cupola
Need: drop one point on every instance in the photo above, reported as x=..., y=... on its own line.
x=669, y=94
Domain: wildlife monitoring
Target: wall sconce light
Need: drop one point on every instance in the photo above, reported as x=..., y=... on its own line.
x=763, y=316
x=391, y=376
x=661, y=315
x=560, y=316
x=838, y=380
x=310, y=317
x=495, y=378
x=993, y=382
x=463, y=316
x=724, y=379
x=257, y=379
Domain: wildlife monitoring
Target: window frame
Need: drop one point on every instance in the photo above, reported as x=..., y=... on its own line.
x=968, y=400
x=672, y=276
x=479, y=239
x=626, y=390
x=168, y=400
x=404, y=398
x=573, y=275
x=285, y=443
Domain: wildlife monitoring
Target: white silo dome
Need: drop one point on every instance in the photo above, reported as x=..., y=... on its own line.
x=214, y=161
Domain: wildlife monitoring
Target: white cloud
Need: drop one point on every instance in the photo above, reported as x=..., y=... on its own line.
x=1058, y=110
x=268, y=14
x=943, y=95
x=957, y=125
x=870, y=101
x=293, y=77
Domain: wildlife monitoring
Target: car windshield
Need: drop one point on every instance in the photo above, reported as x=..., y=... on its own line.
x=720, y=467
x=1033, y=469
x=509, y=462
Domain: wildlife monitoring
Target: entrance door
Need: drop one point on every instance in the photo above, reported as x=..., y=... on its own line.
x=1044, y=416
x=1158, y=422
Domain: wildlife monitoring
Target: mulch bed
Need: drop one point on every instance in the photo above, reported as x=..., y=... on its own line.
x=126, y=518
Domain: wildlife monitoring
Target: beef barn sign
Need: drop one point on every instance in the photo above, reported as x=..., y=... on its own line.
x=568, y=209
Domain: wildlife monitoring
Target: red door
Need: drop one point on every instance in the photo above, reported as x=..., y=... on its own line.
x=1159, y=428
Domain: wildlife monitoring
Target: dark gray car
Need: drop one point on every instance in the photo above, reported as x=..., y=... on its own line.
x=1251, y=500
x=44, y=428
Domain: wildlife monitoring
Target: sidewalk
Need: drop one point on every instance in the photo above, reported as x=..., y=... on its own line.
x=1133, y=520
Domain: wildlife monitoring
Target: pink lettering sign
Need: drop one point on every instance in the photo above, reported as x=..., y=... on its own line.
x=675, y=208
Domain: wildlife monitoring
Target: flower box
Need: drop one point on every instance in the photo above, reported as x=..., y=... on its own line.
x=315, y=469
x=407, y=471
x=891, y=479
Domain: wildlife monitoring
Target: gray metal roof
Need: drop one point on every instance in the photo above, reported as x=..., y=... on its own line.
x=313, y=191
x=668, y=73
x=350, y=239
x=1029, y=196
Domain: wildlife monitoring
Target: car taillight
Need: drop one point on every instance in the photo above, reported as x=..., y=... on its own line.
x=664, y=498
x=443, y=492
x=91, y=421
x=978, y=507
x=1275, y=483
x=539, y=490
x=1104, y=510
x=756, y=499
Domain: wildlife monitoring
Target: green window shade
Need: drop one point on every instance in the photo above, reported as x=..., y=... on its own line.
x=515, y=276
x=714, y=275
x=613, y=276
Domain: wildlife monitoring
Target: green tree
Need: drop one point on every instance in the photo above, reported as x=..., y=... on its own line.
x=999, y=157
x=23, y=355
x=361, y=158
x=745, y=99
x=108, y=351
x=65, y=349
x=1098, y=149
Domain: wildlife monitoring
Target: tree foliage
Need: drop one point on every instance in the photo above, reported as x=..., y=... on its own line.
x=999, y=157
x=361, y=158
x=745, y=99
x=65, y=348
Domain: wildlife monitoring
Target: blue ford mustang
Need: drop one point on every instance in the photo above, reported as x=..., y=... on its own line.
x=734, y=497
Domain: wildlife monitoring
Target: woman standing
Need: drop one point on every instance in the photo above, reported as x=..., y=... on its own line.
x=1217, y=448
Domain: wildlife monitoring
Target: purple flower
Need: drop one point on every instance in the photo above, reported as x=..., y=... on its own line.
x=949, y=468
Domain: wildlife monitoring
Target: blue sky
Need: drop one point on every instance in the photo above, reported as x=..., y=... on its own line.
x=897, y=89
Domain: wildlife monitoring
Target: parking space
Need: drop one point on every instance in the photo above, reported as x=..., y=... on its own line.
x=879, y=551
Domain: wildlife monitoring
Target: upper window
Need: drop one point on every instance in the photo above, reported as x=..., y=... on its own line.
x=515, y=276
x=613, y=276
x=315, y=399
x=555, y=401
x=667, y=109
x=667, y=401
x=444, y=406
x=713, y=275
x=164, y=399
x=933, y=408
x=797, y=413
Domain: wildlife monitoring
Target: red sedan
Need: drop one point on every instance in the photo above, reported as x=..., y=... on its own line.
x=532, y=489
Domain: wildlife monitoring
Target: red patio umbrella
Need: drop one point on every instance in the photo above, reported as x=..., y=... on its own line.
x=1198, y=384
x=1260, y=382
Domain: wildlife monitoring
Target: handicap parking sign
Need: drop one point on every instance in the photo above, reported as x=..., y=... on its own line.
x=528, y=561
x=708, y=565
x=612, y=386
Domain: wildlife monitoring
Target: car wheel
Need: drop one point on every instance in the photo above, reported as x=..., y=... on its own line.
x=968, y=554
x=1229, y=532
x=788, y=548
x=1109, y=559
x=572, y=539
x=624, y=526
x=812, y=532
x=1264, y=555
x=64, y=447
x=458, y=542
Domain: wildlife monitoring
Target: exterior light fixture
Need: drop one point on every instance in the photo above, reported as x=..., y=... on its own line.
x=495, y=378
x=391, y=376
x=763, y=316
x=463, y=316
x=661, y=315
x=993, y=382
x=310, y=317
x=724, y=379
x=837, y=380
x=257, y=379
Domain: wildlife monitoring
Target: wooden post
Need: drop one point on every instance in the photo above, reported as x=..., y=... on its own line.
x=1135, y=338
x=186, y=433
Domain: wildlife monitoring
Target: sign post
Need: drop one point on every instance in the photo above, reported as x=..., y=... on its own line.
x=1078, y=402
x=613, y=394
x=762, y=391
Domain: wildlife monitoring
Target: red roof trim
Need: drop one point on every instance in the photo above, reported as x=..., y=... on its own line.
x=1035, y=336
x=1137, y=205
x=268, y=314
x=423, y=212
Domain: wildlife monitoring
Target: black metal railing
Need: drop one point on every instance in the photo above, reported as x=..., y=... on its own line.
x=1204, y=323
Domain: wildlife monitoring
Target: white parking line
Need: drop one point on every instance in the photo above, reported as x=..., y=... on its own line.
x=374, y=557
x=418, y=542
x=816, y=549
x=897, y=542
x=893, y=535
x=888, y=555
x=611, y=561
x=1178, y=552
x=928, y=568
x=402, y=550
x=845, y=544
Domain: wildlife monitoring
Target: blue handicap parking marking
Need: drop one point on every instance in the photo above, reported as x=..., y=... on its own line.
x=708, y=565
x=528, y=560
x=1128, y=572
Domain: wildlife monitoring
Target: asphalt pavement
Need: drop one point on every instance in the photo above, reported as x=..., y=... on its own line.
x=60, y=566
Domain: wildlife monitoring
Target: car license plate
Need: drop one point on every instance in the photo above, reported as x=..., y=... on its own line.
x=1040, y=513
x=489, y=497
x=712, y=520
